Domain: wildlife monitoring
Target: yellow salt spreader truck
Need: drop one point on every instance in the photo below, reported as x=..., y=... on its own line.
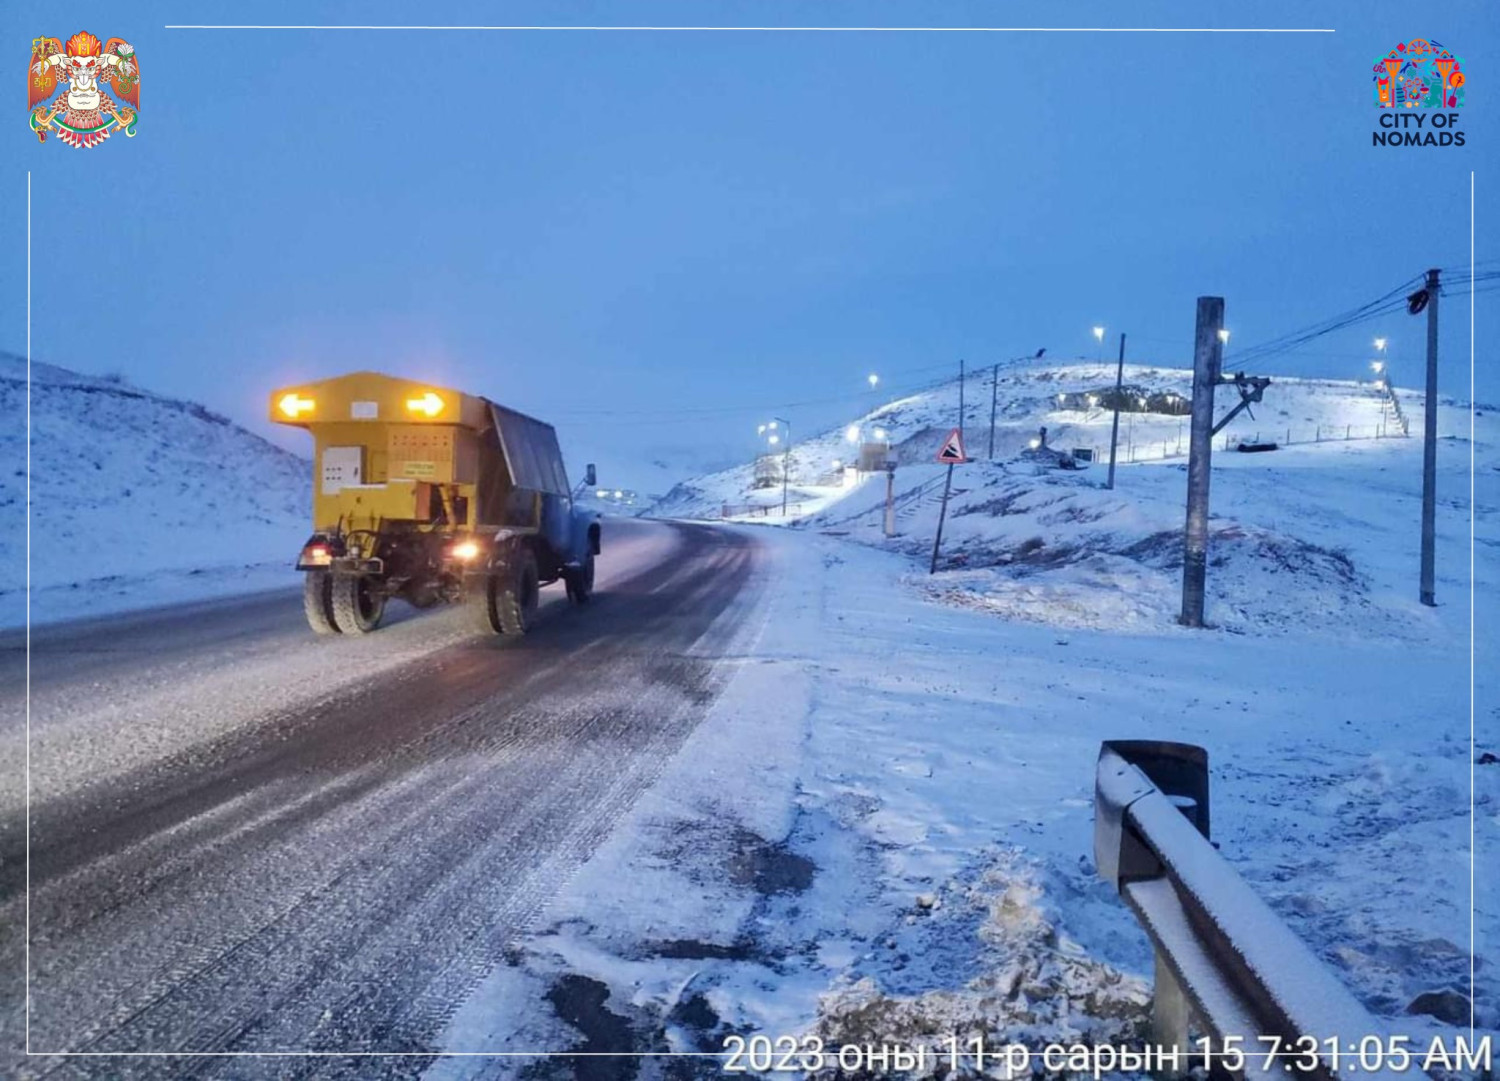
x=433, y=496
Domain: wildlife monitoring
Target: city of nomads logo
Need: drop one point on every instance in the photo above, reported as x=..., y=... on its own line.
x=1419, y=86
x=83, y=116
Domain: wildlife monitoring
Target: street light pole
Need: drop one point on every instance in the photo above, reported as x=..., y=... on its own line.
x=786, y=460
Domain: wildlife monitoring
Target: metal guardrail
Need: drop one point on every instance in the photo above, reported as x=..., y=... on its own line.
x=1226, y=965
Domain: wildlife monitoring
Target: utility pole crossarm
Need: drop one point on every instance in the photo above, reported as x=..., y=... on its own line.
x=1252, y=388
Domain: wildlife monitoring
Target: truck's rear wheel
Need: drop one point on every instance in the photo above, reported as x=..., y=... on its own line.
x=479, y=603
x=358, y=603
x=317, y=602
x=580, y=582
x=517, y=595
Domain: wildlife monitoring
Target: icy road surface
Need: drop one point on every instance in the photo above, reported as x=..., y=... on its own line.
x=245, y=838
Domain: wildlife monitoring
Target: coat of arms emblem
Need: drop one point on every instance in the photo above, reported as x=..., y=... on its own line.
x=82, y=116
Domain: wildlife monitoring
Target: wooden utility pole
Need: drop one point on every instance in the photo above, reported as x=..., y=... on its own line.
x=1208, y=351
x=1114, y=431
x=1429, y=449
x=994, y=400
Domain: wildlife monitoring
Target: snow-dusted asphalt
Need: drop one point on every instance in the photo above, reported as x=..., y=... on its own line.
x=247, y=839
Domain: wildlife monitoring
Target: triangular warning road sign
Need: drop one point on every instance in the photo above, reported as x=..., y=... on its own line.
x=953, y=449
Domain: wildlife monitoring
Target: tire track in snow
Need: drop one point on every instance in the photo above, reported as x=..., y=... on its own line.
x=384, y=877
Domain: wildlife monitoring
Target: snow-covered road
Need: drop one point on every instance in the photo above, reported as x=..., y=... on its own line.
x=247, y=839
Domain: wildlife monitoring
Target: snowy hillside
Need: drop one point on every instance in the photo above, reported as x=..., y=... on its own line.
x=136, y=498
x=1333, y=511
x=1067, y=399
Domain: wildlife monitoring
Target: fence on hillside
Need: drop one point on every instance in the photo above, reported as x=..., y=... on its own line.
x=1155, y=450
x=758, y=510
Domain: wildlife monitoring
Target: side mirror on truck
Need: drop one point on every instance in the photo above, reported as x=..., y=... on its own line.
x=590, y=476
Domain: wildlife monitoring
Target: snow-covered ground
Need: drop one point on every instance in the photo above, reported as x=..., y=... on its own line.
x=137, y=499
x=882, y=833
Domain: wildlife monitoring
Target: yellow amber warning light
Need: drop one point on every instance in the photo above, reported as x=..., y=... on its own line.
x=294, y=405
x=429, y=404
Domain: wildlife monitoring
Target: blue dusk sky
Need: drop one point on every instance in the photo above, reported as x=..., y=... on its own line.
x=656, y=239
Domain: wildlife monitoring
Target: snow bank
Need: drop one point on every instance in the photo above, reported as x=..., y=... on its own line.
x=137, y=498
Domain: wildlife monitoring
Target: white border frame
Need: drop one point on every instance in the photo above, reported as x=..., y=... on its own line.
x=690, y=29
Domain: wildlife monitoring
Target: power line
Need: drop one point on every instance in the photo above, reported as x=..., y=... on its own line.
x=1387, y=303
x=1460, y=280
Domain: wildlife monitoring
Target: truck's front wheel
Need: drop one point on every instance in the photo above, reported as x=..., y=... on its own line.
x=580, y=582
x=358, y=603
x=317, y=602
x=517, y=594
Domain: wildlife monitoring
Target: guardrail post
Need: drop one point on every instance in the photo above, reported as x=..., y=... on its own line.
x=1169, y=1017
x=1225, y=963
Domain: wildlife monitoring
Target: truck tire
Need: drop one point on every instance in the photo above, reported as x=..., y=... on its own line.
x=516, y=595
x=358, y=604
x=580, y=583
x=479, y=603
x=317, y=602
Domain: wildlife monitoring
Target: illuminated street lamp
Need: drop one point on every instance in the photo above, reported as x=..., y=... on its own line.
x=1223, y=336
x=786, y=455
x=1378, y=366
x=851, y=433
x=874, y=380
x=879, y=435
x=1099, y=337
